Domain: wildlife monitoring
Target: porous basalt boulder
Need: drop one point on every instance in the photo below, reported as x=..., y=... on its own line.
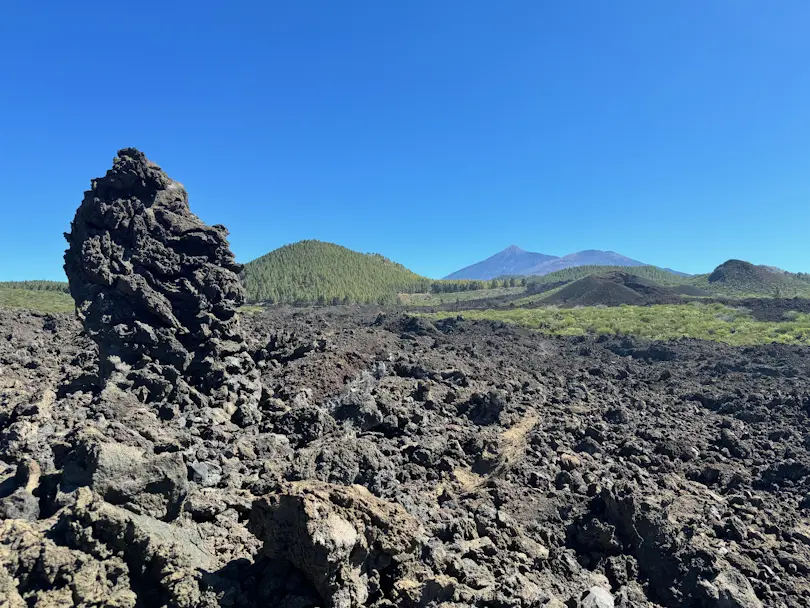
x=158, y=290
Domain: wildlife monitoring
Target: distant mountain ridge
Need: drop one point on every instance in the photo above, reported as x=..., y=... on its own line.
x=589, y=257
x=511, y=261
x=514, y=261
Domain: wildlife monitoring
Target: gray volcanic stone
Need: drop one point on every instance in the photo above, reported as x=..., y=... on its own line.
x=21, y=504
x=158, y=290
x=145, y=483
x=596, y=597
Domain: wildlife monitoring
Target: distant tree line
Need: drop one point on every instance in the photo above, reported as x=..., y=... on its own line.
x=60, y=286
x=458, y=285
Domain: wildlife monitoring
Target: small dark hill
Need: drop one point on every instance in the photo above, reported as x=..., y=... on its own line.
x=612, y=289
x=574, y=273
x=741, y=272
x=314, y=271
x=740, y=277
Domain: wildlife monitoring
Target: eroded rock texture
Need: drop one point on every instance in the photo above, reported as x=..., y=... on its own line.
x=158, y=290
x=345, y=540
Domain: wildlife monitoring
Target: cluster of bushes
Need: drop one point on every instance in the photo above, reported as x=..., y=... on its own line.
x=664, y=322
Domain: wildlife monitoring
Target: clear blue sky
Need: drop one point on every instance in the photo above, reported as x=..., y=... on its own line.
x=433, y=132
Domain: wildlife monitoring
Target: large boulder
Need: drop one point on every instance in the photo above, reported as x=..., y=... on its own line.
x=345, y=540
x=144, y=483
x=35, y=571
x=170, y=560
x=158, y=290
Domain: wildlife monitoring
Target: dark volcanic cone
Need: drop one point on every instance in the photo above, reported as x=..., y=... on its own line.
x=158, y=290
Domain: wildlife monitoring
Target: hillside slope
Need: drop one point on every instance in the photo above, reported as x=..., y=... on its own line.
x=734, y=278
x=574, y=273
x=35, y=295
x=314, y=271
x=44, y=296
x=589, y=257
x=740, y=278
x=613, y=288
x=510, y=262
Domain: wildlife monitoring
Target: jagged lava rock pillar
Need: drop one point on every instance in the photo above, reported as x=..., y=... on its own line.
x=158, y=290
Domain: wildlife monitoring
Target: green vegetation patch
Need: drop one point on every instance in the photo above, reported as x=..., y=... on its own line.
x=36, y=285
x=536, y=299
x=664, y=322
x=41, y=300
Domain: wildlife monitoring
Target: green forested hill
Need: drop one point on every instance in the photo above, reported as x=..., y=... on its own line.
x=303, y=272
x=314, y=271
x=317, y=272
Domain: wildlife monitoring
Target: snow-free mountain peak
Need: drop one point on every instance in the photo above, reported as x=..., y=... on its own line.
x=515, y=261
x=511, y=261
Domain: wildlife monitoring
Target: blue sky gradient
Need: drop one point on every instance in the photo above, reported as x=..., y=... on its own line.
x=435, y=133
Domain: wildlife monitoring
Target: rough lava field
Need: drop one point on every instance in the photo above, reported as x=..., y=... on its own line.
x=162, y=450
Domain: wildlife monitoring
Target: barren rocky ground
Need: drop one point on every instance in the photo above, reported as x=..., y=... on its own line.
x=395, y=462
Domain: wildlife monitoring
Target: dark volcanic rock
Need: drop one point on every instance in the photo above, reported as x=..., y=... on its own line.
x=158, y=290
x=123, y=475
x=495, y=468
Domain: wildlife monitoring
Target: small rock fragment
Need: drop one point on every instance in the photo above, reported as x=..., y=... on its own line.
x=596, y=597
x=207, y=474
